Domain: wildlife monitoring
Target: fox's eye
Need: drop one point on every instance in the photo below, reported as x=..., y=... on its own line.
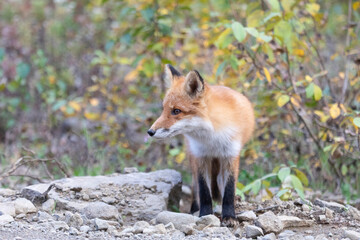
x=175, y=111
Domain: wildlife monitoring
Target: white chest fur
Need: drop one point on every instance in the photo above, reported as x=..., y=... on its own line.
x=212, y=143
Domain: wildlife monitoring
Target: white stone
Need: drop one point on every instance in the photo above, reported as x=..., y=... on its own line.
x=49, y=205
x=101, y=224
x=269, y=222
x=208, y=221
x=22, y=205
x=8, y=208
x=246, y=216
x=252, y=231
x=353, y=235
x=5, y=219
x=291, y=221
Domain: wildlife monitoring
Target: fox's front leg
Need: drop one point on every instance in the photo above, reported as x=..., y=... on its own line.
x=227, y=183
x=205, y=198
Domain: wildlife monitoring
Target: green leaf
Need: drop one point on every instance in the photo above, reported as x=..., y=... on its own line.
x=296, y=183
x=224, y=40
x=302, y=177
x=300, y=192
x=274, y=5
x=23, y=70
x=239, y=31
x=220, y=69
x=240, y=193
x=310, y=90
x=175, y=151
x=283, y=32
x=356, y=121
x=256, y=186
x=148, y=14
x=265, y=37
x=283, y=173
x=252, y=31
x=344, y=170
x=282, y=192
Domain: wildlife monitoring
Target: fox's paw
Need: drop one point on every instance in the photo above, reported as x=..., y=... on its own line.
x=229, y=222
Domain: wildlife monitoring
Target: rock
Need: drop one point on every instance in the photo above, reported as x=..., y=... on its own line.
x=20, y=216
x=353, y=212
x=109, y=200
x=84, y=229
x=6, y=192
x=170, y=226
x=321, y=237
x=141, y=204
x=186, y=190
x=269, y=222
x=178, y=219
x=130, y=170
x=188, y=229
x=332, y=205
x=270, y=236
x=306, y=208
x=353, y=235
x=286, y=234
x=252, y=231
x=329, y=214
x=208, y=221
x=140, y=226
x=221, y=232
x=309, y=238
x=59, y=225
x=8, y=208
x=43, y=216
x=100, y=224
x=177, y=235
x=291, y=221
x=73, y=231
x=76, y=221
x=246, y=216
x=67, y=216
x=158, y=229
x=322, y=218
x=22, y=205
x=49, y=205
x=100, y=210
x=5, y=219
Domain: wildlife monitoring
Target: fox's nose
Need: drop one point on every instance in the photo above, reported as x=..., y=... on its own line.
x=151, y=132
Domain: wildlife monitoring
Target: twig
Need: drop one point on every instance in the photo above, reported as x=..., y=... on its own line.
x=346, y=80
x=266, y=208
x=312, y=135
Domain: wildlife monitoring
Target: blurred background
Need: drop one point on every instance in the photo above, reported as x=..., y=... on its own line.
x=82, y=81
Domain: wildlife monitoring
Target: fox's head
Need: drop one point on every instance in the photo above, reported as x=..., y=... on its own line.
x=184, y=108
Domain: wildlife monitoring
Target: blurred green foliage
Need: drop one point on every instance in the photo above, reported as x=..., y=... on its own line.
x=81, y=81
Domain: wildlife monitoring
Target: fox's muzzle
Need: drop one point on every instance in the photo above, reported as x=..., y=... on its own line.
x=151, y=132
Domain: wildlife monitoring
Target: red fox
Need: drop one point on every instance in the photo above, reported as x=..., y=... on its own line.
x=216, y=122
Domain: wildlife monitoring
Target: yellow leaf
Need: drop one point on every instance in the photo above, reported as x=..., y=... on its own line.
x=76, y=106
x=312, y=8
x=356, y=5
x=267, y=74
x=180, y=158
x=94, y=102
x=52, y=79
x=295, y=100
x=317, y=92
x=342, y=75
x=93, y=88
x=131, y=76
x=258, y=75
x=299, y=52
x=308, y=78
x=283, y=99
x=335, y=111
x=343, y=108
x=92, y=116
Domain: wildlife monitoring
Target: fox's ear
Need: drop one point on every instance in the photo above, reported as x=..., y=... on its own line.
x=194, y=84
x=170, y=74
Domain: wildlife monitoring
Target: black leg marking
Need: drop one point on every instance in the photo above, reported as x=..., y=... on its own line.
x=194, y=206
x=228, y=208
x=205, y=197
